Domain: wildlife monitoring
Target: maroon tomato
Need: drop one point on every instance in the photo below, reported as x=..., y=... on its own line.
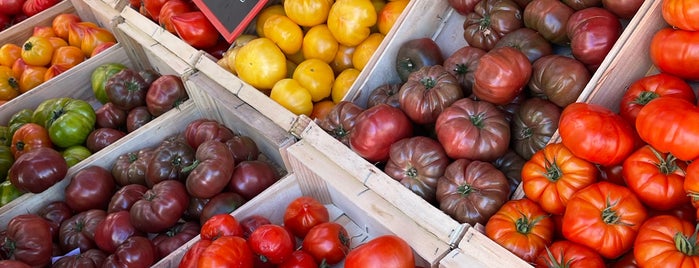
x=211, y=171
x=28, y=240
x=160, y=208
x=273, y=243
x=201, y=130
x=5, y=21
x=91, y=188
x=501, y=75
x=250, y=223
x=559, y=79
x=33, y=7
x=624, y=9
x=102, y=137
x=137, y=117
x=592, y=32
x=376, y=129
x=221, y=225
x=114, y=230
x=582, y=4
x=169, y=161
x=110, y=116
x=92, y=258
x=196, y=206
x=490, y=20
x=130, y=168
x=417, y=163
x=252, y=177
x=243, y=148
x=125, y=197
x=168, y=241
x=475, y=130
x=55, y=213
x=303, y=213
x=648, y=88
x=38, y=169
x=227, y=251
x=299, y=259
x=382, y=251
x=535, y=121
x=328, y=241
x=11, y=7
x=165, y=93
x=221, y=203
x=136, y=251
x=386, y=93
x=126, y=89
x=463, y=6
x=548, y=18
x=415, y=54
x=195, y=29
x=340, y=121
x=79, y=230
x=462, y=64
x=14, y=264
x=427, y=92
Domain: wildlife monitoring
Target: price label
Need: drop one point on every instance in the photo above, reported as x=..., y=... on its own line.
x=230, y=17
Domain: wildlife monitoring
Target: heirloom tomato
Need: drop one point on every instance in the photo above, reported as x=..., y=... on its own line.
x=299, y=259
x=126, y=89
x=328, y=241
x=220, y=225
x=341, y=120
x=389, y=14
x=261, y=63
x=79, y=230
x=582, y=4
x=136, y=251
x=29, y=137
x=363, y=52
x=114, y=230
x=61, y=24
x=99, y=78
x=284, y=32
x=303, y=213
x=164, y=93
x=417, y=163
x=316, y=76
x=221, y=203
x=290, y=94
x=463, y=7
x=564, y=253
x=251, y=177
x=252, y=222
x=69, y=121
x=319, y=43
x=102, y=137
x=137, y=117
x=343, y=83
x=273, y=243
x=90, y=258
x=427, y=92
x=648, y=88
x=38, y=169
x=656, y=178
x=350, y=21
x=691, y=183
x=501, y=75
x=522, y=227
x=342, y=59
x=11, y=7
x=76, y=32
x=376, y=129
x=605, y=217
x=681, y=14
x=415, y=54
x=90, y=188
x=243, y=148
x=511, y=165
x=160, y=207
x=9, y=192
x=674, y=117
x=386, y=93
x=20, y=118
x=28, y=239
x=168, y=241
x=548, y=18
x=596, y=134
x=472, y=129
x=227, y=251
x=592, y=32
x=9, y=84
x=673, y=52
x=382, y=251
x=666, y=241
x=172, y=8
x=33, y=7
x=211, y=171
x=55, y=213
x=489, y=21
x=125, y=197
x=308, y=13
x=553, y=175
x=462, y=64
x=624, y=9
x=195, y=29
x=54, y=70
x=533, y=124
x=130, y=168
x=37, y=51
x=6, y=160
x=169, y=161
x=265, y=13
x=471, y=191
x=201, y=130
x=153, y=7
x=31, y=77
x=558, y=78
x=110, y=116
x=9, y=53
x=94, y=37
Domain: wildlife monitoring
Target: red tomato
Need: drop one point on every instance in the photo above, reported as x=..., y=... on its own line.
x=677, y=119
x=304, y=213
x=649, y=88
x=605, y=217
x=376, y=129
x=691, y=183
x=595, y=133
x=227, y=251
x=299, y=259
x=152, y=8
x=327, y=242
x=656, y=178
x=251, y=223
x=195, y=29
x=666, y=241
x=169, y=9
x=681, y=14
x=221, y=225
x=565, y=253
x=383, y=251
x=29, y=137
x=11, y=7
x=33, y=7
x=522, y=227
x=675, y=52
x=272, y=242
x=191, y=257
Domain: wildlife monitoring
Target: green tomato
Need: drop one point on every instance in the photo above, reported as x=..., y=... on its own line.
x=8, y=192
x=75, y=154
x=5, y=136
x=18, y=119
x=69, y=121
x=99, y=79
x=6, y=160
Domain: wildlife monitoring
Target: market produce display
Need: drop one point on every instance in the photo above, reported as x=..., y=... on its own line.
x=15, y=11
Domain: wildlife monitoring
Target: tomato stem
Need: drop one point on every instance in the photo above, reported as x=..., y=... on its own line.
x=644, y=97
x=178, y=161
x=552, y=261
x=553, y=171
x=464, y=189
x=666, y=165
x=428, y=82
x=14, y=83
x=524, y=226
x=460, y=69
x=411, y=172
x=609, y=215
x=477, y=120
x=687, y=244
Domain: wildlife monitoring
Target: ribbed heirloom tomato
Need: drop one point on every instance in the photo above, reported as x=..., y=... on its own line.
x=681, y=14
x=666, y=241
x=522, y=227
x=308, y=13
x=350, y=21
x=675, y=117
x=261, y=63
x=656, y=178
x=648, y=88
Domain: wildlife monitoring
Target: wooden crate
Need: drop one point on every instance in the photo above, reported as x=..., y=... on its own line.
x=477, y=250
x=363, y=212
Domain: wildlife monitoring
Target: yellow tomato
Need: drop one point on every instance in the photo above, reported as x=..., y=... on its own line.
x=37, y=51
x=378, y=5
x=389, y=14
x=308, y=12
x=321, y=109
x=9, y=85
x=9, y=53
x=45, y=31
x=293, y=96
x=260, y=63
x=67, y=56
x=343, y=83
x=319, y=43
x=284, y=32
x=343, y=59
x=264, y=15
x=94, y=37
x=232, y=51
x=350, y=21
x=365, y=50
x=31, y=77
x=57, y=42
x=316, y=76
x=290, y=68
x=296, y=57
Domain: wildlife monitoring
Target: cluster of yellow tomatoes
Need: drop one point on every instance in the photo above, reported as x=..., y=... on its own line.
x=48, y=52
x=306, y=54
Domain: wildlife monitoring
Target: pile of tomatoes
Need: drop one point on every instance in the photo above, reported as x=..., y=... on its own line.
x=50, y=51
x=620, y=187
x=254, y=241
x=15, y=11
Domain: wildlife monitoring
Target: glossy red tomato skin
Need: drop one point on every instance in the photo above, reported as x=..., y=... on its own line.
x=221, y=225
x=160, y=208
x=11, y=7
x=675, y=117
x=593, y=31
x=327, y=241
x=114, y=230
x=37, y=170
x=299, y=259
x=656, y=178
x=272, y=242
x=33, y=7
x=382, y=251
x=659, y=243
x=376, y=129
x=201, y=130
x=647, y=88
x=674, y=51
x=28, y=239
x=573, y=254
x=170, y=240
x=227, y=251
x=596, y=134
x=90, y=188
x=303, y=213
x=191, y=258
x=195, y=29
x=624, y=9
x=501, y=75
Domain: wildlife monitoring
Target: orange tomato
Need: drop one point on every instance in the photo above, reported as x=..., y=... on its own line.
x=9, y=53
x=362, y=54
x=18, y=67
x=316, y=76
x=9, y=86
x=319, y=43
x=61, y=24
x=37, y=51
x=55, y=70
x=308, y=13
x=321, y=109
x=94, y=37
x=350, y=21
x=265, y=14
x=76, y=32
x=57, y=42
x=343, y=83
x=389, y=15
x=43, y=31
x=31, y=77
x=101, y=47
x=343, y=59
x=284, y=32
x=68, y=56
x=293, y=96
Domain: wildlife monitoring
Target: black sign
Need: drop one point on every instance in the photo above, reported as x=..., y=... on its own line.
x=230, y=17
